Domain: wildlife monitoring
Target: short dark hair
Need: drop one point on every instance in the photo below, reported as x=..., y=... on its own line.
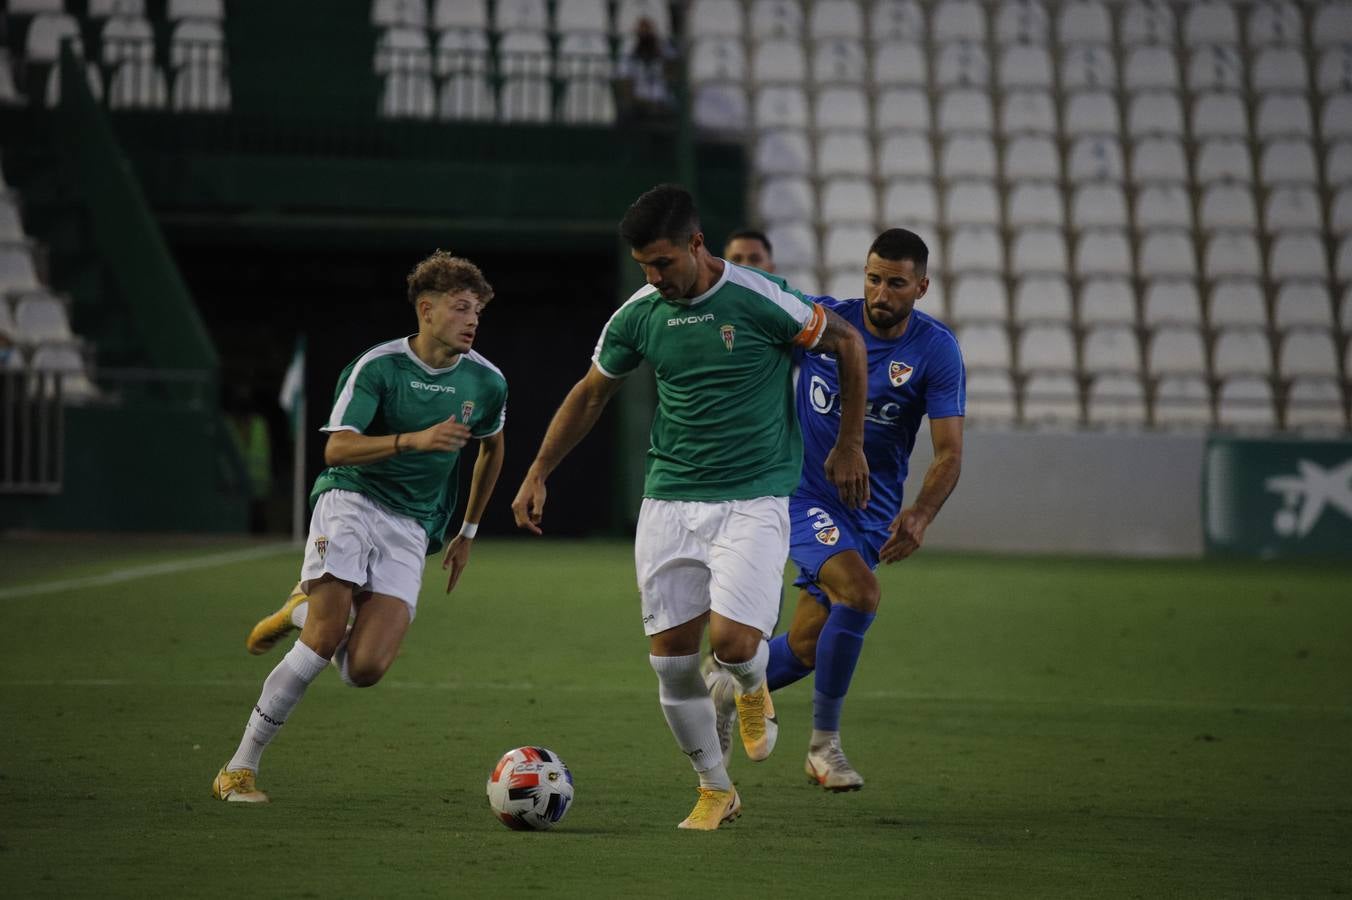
x=445, y=273
x=897, y=244
x=753, y=235
x=667, y=212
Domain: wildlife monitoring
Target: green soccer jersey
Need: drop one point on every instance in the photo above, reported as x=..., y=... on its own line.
x=389, y=390
x=725, y=427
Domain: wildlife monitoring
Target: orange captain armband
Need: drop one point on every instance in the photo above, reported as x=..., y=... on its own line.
x=812, y=331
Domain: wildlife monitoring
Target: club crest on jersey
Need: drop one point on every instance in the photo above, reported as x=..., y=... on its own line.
x=729, y=333
x=899, y=373
x=829, y=536
x=466, y=410
x=322, y=546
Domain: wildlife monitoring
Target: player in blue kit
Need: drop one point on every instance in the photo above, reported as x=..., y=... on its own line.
x=915, y=369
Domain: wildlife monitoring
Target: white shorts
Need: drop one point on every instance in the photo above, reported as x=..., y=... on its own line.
x=356, y=539
x=726, y=556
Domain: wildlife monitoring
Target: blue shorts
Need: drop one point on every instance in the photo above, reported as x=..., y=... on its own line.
x=820, y=529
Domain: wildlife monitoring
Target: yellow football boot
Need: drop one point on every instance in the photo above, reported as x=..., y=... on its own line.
x=713, y=808
x=273, y=628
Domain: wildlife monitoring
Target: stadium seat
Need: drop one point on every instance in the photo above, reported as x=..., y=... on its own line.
x=715, y=18
x=783, y=152
x=1182, y=401
x=11, y=228
x=1224, y=159
x=1151, y=67
x=1155, y=113
x=1299, y=255
x=905, y=154
x=1039, y=250
x=1159, y=159
x=1170, y=301
x=1034, y=203
x=1215, y=68
x=1021, y=22
x=200, y=86
x=984, y=345
x=962, y=64
x=990, y=397
x=902, y=109
x=1111, y=348
x=978, y=298
x=1336, y=119
x=1219, y=115
x=781, y=106
x=804, y=280
x=1334, y=74
x=1027, y=112
x=1107, y=301
x=1095, y=159
x=1332, y=24
x=1042, y=298
x=1115, y=399
x=138, y=84
x=1227, y=205
x=1149, y=22
x=1163, y=206
x=839, y=61
x=1283, y=115
x=399, y=50
x=41, y=318
x=795, y=244
x=1340, y=212
x=778, y=60
x=1084, y=22
x=1279, y=69
x=1098, y=204
x=1031, y=157
x=849, y=199
x=1045, y=346
x=1315, y=403
x=968, y=156
x=526, y=15
x=1276, y=22
x=1024, y=65
x=1090, y=112
x=460, y=14
x=1292, y=208
x=1307, y=351
x=17, y=274
x=975, y=249
x=463, y=51
x=1176, y=350
x=124, y=38
x=844, y=153
x=1088, y=67
x=52, y=96
x=1342, y=265
x=1287, y=161
x=1168, y=253
x=775, y=19
x=958, y=20
x=844, y=281
x=1102, y=252
x=1238, y=302
x=786, y=199
x=910, y=202
x=388, y=14
x=1210, y=22
x=840, y=107
x=1303, y=303
x=836, y=18
x=1241, y=351
x=66, y=360
x=408, y=95
x=717, y=58
x=584, y=17
x=1051, y=398
x=467, y=96
x=722, y=107
x=628, y=12
x=1246, y=402
x=1231, y=253
x=971, y=203
x=588, y=100
x=893, y=20
x=900, y=64
x=202, y=43
x=847, y=244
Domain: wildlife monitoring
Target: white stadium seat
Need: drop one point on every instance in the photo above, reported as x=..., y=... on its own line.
x=581, y=16
x=1096, y=158
x=781, y=106
x=1169, y=253
x=1317, y=403
x=1090, y=112
x=1215, y=68
x=958, y=20
x=775, y=19
x=1224, y=159
x=795, y=244
x=1287, y=160
x=1031, y=157
x=1159, y=159
x=1299, y=255
x=717, y=58
x=1241, y=351
x=836, y=18
x=1103, y=252
x=968, y=156
x=1084, y=21
x=962, y=64
x=1025, y=65
x=1098, y=204
x=892, y=20
x=1176, y=350
x=1042, y=297
x=1046, y=346
x=786, y=199
x=990, y=397
x=910, y=202
x=1088, y=67
x=1115, y=400
x=1275, y=22
x=1035, y=203
x=840, y=107
x=1039, y=250
x=387, y=14
x=978, y=298
x=1246, y=402
x=1281, y=115
x=1210, y=22
x=965, y=110
x=1163, y=206
x=1334, y=74
x=1293, y=207
x=783, y=152
x=900, y=64
x=721, y=107
x=714, y=18
x=846, y=245
x=460, y=14
x=1021, y=22
x=1238, y=302
x=849, y=199
x=1227, y=205
x=1279, y=69
x=844, y=153
x=902, y=109
x=971, y=203
x=1232, y=253
x=1148, y=22
x=905, y=154
x=1027, y=112
x=1181, y=401
x=1051, y=398
x=1219, y=115
x=1111, y=348
x=984, y=345
x=1155, y=112
x=1171, y=301
x=40, y=317
x=1336, y=118
x=1303, y=303
x=1107, y=301
x=838, y=60
x=975, y=249
x=524, y=15
x=779, y=60
x=1332, y=23
x=1151, y=67
x=1308, y=351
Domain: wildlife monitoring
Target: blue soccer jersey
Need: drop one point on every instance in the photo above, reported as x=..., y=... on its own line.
x=918, y=374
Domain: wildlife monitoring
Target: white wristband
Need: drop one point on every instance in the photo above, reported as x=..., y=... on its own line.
x=469, y=530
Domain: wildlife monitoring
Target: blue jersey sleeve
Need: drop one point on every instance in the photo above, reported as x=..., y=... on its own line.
x=946, y=390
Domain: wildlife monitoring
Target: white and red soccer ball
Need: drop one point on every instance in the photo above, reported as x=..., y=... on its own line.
x=530, y=789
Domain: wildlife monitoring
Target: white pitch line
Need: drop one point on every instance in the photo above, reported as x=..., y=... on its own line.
x=136, y=572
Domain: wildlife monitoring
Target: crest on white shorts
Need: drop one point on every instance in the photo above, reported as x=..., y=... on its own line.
x=829, y=536
x=899, y=373
x=322, y=546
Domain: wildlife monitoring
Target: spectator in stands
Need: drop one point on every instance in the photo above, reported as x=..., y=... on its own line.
x=646, y=74
x=748, y=247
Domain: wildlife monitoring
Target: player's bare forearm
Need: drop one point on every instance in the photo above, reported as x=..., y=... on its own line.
x=943, y=472
x=575, y=418
x=351, y=448
x=487, y=467
x=846, y=466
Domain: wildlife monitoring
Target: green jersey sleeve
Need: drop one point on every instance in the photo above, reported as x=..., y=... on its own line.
x=495, y=418
x=790, y=317
x=617, y=350
x=356, y=398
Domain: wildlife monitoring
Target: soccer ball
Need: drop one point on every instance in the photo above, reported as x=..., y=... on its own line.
x=530, y=789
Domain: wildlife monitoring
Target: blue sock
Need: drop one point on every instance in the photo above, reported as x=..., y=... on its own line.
x=838, y=649
x=784, y=667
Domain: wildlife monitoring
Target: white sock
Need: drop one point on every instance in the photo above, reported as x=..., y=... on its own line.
x=300, y=613
x=690, y=714
x=282, y=690
x=751, y=673
x=822, y=738
x=340, y=658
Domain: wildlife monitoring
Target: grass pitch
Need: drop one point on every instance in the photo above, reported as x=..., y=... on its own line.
x=1027, y=728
